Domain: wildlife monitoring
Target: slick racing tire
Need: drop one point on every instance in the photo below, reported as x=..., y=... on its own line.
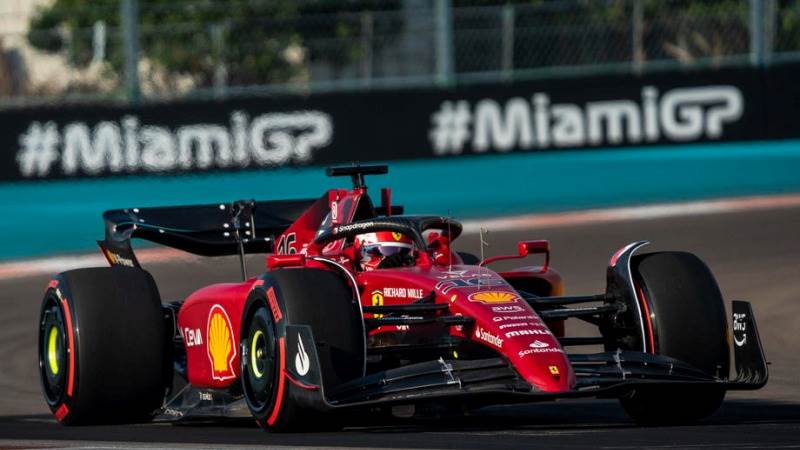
x=102, y=346
x=689, y=324
x=321, y=300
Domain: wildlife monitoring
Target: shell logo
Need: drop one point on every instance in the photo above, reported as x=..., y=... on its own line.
x=397, y=236
x=221, y=346
x=493, y=297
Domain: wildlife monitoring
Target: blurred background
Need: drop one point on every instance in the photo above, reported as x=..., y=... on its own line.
x=133, y=51
x=539, y=105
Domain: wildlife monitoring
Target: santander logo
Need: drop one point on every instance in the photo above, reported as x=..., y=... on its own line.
x=538, y=344
x=488, y=337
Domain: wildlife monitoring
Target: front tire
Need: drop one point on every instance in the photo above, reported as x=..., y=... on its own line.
x=321, y=300
x=101, y=346
x=261, y=370
x=689, y=324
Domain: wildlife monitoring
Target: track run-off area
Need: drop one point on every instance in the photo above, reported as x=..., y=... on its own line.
x=753, y=249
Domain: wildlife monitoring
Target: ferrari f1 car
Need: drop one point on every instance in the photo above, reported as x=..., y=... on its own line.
x=321, y=335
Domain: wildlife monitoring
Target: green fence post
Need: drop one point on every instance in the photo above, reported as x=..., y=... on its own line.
x=218, y=32
x=129, y=18
x=757, y=32
x=637, y=36
x=444, y=42
x=508, y=40
x=769, y=21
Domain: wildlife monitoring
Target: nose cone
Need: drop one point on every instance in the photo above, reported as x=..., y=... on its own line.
x=542, y=362
x=506, y=323
x=530, y=347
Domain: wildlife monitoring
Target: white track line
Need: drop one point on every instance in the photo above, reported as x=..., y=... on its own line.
x=56, y=264
x=109, y=445
x=646, y=212
x=51, y=265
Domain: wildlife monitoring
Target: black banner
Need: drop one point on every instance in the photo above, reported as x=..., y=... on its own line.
x=576, y=113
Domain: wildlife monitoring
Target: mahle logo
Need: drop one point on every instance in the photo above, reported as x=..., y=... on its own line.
x=221, y=346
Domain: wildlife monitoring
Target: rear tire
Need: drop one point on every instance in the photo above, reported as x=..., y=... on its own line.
x=689, y=324
x=313, y=297
x=101, y=346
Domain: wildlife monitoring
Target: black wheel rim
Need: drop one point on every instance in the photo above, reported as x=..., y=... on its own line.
x=52, y=351
x=259, y=364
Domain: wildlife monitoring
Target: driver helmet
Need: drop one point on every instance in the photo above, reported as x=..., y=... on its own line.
x=374, y=248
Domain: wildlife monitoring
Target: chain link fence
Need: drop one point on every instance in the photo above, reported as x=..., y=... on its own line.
x=158, y=50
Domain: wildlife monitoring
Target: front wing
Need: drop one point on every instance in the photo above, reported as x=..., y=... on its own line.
x=488, y=381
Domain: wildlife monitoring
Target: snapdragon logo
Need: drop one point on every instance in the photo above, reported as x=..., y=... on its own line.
x=681, y=115
x=355, y=226
x=128, y=146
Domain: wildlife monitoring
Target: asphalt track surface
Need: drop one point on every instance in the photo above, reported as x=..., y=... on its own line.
x=755, y=256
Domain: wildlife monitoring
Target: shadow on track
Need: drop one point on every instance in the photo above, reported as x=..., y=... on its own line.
x=595, y=424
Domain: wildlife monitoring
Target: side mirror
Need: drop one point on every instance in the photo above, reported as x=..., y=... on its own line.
x=278, y=261
x=533, y=247
x=526, y=248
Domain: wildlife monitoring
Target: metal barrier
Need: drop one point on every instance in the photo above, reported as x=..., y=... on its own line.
x=127, y=51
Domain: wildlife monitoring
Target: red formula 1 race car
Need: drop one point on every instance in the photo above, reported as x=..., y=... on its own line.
x=362, y=309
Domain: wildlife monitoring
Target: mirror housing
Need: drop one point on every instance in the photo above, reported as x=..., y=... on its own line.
x=525, y=248
x=280, y=261
x=538, y=247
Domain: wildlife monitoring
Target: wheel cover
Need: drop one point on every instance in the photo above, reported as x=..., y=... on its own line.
x=52, y=352
x=259, y=370
x=257, y=354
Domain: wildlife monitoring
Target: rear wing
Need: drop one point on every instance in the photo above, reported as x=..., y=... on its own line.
x=208, y=230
